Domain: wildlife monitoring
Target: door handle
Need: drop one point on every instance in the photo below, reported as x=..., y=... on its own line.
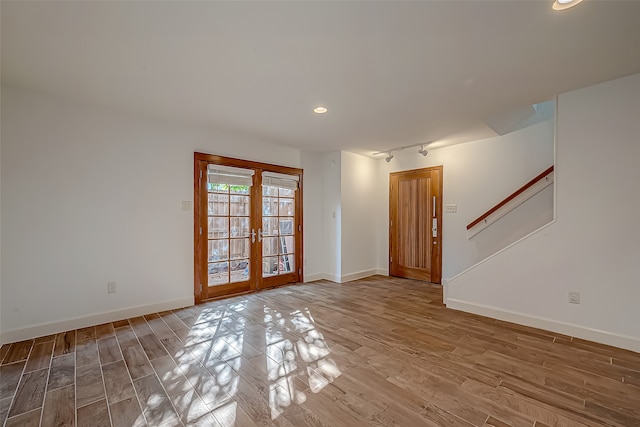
x=253, y=235
x=259, y=235
x=434, y=221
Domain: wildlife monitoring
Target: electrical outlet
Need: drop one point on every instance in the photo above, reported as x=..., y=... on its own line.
x=574, y=297
x=450, y=208
x=111, y=287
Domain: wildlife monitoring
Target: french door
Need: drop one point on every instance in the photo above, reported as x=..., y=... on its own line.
x=415, y=229
x=248, y=226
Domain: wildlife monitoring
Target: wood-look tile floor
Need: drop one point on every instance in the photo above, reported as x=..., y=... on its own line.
x=378, y=351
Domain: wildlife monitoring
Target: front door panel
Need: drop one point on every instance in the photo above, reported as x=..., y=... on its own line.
x=415, y=224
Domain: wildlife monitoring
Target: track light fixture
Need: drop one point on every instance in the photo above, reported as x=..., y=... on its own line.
x=422, y=150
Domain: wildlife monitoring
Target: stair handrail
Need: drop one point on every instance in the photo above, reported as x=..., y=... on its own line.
x=510, y=197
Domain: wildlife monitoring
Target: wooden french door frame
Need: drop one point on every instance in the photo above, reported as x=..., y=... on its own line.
x=423, y=212
x=202, y=291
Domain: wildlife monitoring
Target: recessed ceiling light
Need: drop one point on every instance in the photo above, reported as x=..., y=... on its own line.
x=564, y=4
x=320, y=109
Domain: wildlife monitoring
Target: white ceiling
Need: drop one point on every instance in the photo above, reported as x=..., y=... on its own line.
x=391, y=73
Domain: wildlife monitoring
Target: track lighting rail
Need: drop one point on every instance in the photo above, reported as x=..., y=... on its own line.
x=389, y=152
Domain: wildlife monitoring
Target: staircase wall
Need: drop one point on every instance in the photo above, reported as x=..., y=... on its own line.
x=593, y=246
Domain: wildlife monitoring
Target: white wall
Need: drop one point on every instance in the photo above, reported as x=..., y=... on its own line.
x=332, y=216
x=360, y=210
x=314, y=253
x=91, y=196
x=340, y=226
x=593, y=246
x=476, y=176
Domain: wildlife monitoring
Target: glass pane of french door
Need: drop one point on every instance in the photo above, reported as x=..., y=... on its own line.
x=247, y=236
x=278, y=227
x=228, y=234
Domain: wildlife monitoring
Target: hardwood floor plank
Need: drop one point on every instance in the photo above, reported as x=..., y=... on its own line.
x=160, y=328
x=605, y=413
x=156, y=406
x=231, y=414
x=140, y=326
x=137, y=362
x=127, y=413
x=193, y=411
x=104, y=330
x=30, y=392
x=18, y=351
x=152, y=346
x=255, y=401
x=513, y=408
x=440, y=417
x=89, y=385
x=45, y=338
x=10, y=375
x=570, y=406
x=171, y=377
x=120, y=323
x=116, y=382
x=126, y=337
x=65, y=343
x=86, y=334
x=151, y=316
x=27, y=419
x=63, y=372
x=173, y=346
x=109, y=350
x=188, y=321
x=87, y=353
x=493, y=422
x=333, y=411
x=59, y=407
x=172, y=320
x=4, y=349
x=631, y=378
x=94, y=415
x=40, y=356
x=4, y=409
x=365, y=392
x=205, y=384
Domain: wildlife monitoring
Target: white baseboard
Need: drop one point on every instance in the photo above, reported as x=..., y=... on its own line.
x=315, y=276
x=321, y=276
x=603, y=337
x=347, y=277
x=358, y=275
x=94, y=319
